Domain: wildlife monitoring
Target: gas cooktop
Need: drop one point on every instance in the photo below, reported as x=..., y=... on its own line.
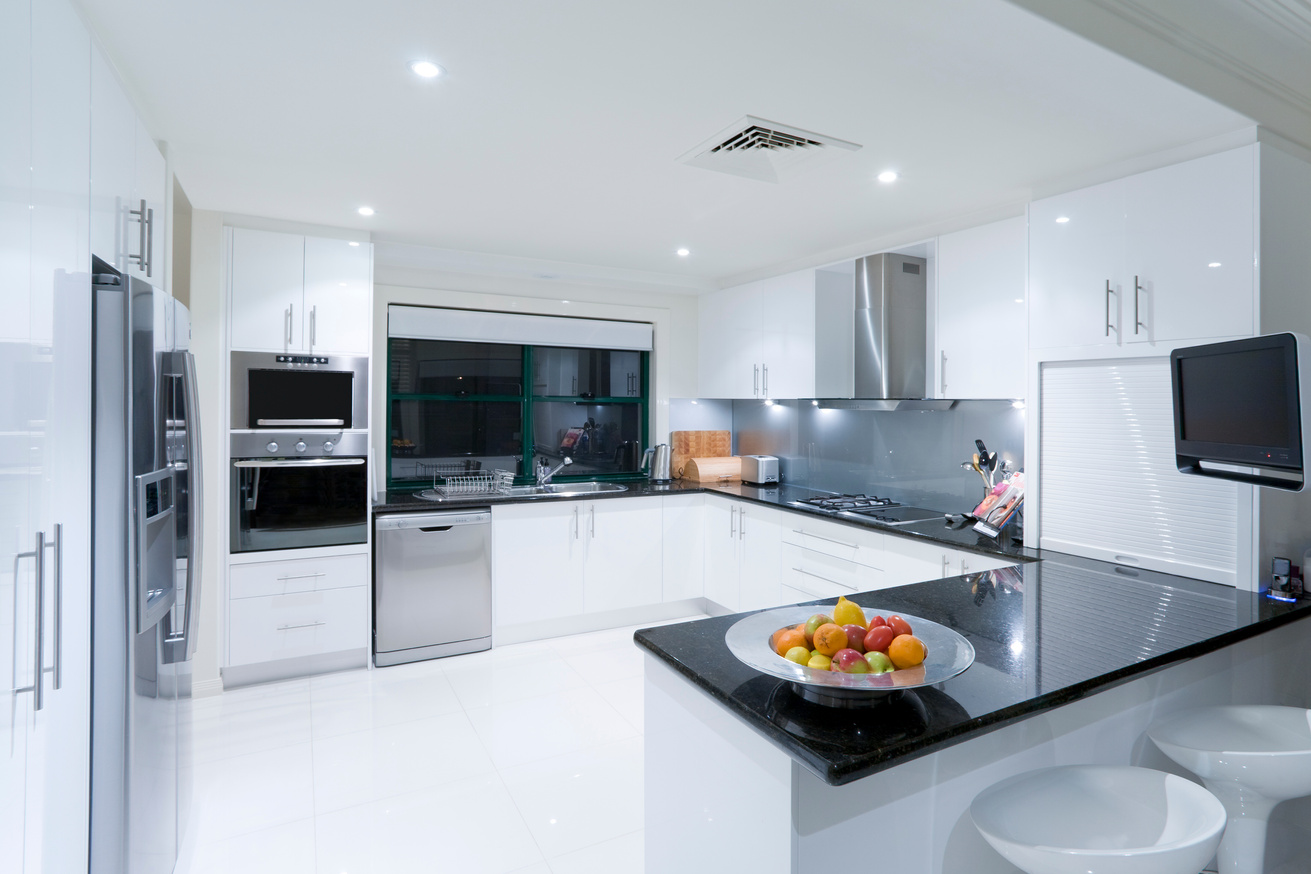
x=873, y=508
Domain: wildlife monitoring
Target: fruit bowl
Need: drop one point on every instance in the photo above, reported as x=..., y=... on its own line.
x=949, y=654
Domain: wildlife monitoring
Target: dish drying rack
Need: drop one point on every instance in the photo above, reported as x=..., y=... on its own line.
x=458, y=480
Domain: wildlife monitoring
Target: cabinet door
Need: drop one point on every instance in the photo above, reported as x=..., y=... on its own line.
x=268, y=281
x=722, y=552
x=624, y=566
x=149, y=184
x=684, y=547
x=338, y=296
x=787, y=305
x=537, y=561
x=961, y=562
x=730, y=343
x=760, y=577
x=113, y=164
x=906, y=561
x=1070, y=264
x=981, y=312
x=1179, y=221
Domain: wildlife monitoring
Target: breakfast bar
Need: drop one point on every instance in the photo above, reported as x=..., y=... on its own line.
x=1074, y=658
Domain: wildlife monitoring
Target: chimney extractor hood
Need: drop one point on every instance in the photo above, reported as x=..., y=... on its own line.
x=872, y=330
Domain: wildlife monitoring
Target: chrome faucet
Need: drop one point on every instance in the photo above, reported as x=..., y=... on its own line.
x=545, y=471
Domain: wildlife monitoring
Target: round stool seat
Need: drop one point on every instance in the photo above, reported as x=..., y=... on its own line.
x=1100, y=819
x=1252, y=757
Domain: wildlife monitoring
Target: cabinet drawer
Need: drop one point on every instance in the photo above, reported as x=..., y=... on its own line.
x=265, y=578
x=839, y=541
x=305, y=623
x=825, y=576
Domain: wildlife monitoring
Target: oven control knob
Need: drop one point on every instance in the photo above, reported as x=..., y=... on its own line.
x=272, y=447
x=328, y=446
x=300, y=446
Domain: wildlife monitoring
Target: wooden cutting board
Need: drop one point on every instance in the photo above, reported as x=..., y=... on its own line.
x=713, y=470
x=697, y=444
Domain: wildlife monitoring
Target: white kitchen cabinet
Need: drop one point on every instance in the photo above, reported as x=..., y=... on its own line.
x=980, y=327
x=742, y=554
x=914, y=561
x=148, y=211
x=758, y=340
x=683, y=547
x=295, y=607
x=552, y=560
x=537, y=561
x=1129, y=261
x=290, y=293
x=623, y=561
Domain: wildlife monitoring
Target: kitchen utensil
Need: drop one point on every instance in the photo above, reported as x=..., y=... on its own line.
x=949, y=654
x=698, y=444
x=760, y=469
x=712, y=470
x=656, y=463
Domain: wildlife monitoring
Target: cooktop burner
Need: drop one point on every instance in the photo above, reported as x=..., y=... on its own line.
x=849, y=502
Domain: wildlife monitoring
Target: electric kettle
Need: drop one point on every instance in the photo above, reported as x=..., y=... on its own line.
x=655, y=461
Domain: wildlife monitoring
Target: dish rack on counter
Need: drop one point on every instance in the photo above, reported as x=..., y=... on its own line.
x=458, y=481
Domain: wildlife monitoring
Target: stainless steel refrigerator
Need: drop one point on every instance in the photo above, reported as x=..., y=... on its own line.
x=146, y=537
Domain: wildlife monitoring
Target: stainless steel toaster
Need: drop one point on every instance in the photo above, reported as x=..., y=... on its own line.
x=759, y=469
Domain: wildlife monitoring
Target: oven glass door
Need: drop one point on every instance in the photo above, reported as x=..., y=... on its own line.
x=300, y=398
x=294, y=503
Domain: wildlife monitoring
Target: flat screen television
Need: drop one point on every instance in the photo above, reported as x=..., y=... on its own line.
x=1238, y=411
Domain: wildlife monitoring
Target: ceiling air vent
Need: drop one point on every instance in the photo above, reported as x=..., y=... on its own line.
x=764, y=150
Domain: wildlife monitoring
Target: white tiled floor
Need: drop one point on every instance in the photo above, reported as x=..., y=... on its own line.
x=525, y=759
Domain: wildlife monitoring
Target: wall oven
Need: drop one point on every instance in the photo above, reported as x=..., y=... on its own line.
x=276, y=391
x=298, y=489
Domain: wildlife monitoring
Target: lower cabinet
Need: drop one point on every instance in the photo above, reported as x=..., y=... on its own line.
x=296, y=609
x=683, y=549
x=910, y=561
x=742, y=544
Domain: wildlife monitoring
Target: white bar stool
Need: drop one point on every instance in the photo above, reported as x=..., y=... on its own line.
x=1252, y=757
x=1100, y=819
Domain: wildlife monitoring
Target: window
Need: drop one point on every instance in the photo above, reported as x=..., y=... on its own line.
x=458, y=407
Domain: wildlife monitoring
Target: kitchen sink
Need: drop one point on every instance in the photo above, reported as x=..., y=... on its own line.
x=550, y=490
x=564, y=489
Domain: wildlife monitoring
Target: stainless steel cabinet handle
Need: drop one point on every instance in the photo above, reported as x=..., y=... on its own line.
x=145, y=239
x=288, y=320
x=755, y=380
x=298, y=462
x=825, y=579
x=942, y=372
x=302, y=625
x=742, y=523
x=58, y=546
x=300, y=577
x=575, y=523
x=964, y=566
x=591, y=522
x=946, y=562
x=1109, y=292
x=825, y=539
x=732, y=522
x=38, y=669
x=764, y=379
x=1137, y=320
x=150, y=242
x=314, y=312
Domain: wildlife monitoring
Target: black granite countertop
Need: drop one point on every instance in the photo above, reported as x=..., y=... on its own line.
x=782, y=496
x=1061, y=629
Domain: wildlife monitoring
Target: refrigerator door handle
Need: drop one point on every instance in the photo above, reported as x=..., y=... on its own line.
x=195, y=512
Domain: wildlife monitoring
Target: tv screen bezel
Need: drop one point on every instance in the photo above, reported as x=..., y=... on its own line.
x=1190, y=453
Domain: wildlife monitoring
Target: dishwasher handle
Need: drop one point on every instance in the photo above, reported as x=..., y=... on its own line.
x=430, y=521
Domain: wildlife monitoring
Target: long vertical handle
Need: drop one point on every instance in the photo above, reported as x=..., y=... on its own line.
x=314, y=312
x=942, y=373
x=140, y=213
x=58, y=546
x=1108, y=309
x=575, y=523
x=1137, y=320
x=755, y=380
x=38, y=684
x=591, y=521
x=764, y=379
x=742, y=523
x=946, y=561
x=148, y=252
x=732, y=522
x=286, y=320
x=195, y=510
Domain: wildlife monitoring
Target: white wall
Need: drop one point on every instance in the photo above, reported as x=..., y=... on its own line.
x=674, y=315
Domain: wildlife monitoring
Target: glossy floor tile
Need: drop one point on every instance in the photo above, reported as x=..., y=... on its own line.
x=525, y=759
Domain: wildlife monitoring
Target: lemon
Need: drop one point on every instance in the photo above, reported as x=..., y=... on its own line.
x=848, y=613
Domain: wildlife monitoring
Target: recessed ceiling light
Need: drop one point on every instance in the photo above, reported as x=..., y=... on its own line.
x=1019, y=405
x=888, y=176
x=1062, y=219
x=426, y=69
x=352, y=243
x=1019, y=300
x=814, y=403
x=683, y=253
x=1214, y=264
x=365, y=210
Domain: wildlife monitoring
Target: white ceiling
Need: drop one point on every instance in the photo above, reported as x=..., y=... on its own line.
x=556, y=134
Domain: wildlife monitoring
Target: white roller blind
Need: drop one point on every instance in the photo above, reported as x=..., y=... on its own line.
x=1109, y=485
x=435, y=323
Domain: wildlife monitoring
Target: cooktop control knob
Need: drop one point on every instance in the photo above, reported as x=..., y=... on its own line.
x=272, y=447
x=328, y=446
x=300, y=446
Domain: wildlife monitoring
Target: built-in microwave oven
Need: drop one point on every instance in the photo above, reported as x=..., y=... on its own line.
x=280, y=391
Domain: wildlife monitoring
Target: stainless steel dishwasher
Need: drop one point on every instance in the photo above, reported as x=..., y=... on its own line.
x=432, y=585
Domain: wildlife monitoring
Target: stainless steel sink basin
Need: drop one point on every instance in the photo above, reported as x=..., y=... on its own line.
x=565, y=489
x=519, y=491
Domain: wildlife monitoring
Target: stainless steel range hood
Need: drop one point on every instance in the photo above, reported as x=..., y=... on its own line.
x=872, y=333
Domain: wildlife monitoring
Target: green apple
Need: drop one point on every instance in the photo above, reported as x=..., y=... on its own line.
x=879, y=663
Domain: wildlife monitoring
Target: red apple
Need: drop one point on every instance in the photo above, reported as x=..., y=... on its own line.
x=849, y=661
x=855, y=637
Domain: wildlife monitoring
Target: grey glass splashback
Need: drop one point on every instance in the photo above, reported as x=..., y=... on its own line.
x=910, y=456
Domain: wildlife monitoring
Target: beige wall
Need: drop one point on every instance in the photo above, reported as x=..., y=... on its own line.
x=674, y=359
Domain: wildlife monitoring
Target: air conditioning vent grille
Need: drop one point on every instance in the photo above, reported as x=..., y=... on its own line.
x=756, y=148
x=756, y=137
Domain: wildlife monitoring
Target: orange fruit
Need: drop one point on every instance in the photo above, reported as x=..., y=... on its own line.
x=829, y=639
x=789, y=638
x=906, y=651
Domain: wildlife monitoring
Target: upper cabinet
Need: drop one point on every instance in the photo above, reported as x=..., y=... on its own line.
x=129, y=183
x=1163, y=256
x=291, y=293
x=758, y=340
x=980, y=324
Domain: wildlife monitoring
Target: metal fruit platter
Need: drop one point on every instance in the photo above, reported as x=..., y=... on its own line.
x=949, y=654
